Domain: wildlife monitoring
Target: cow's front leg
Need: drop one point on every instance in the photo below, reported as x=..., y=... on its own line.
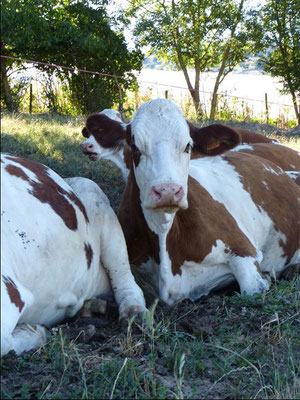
x=248, y=274
x=128, y=294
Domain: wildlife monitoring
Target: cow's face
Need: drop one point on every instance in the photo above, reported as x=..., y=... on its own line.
x=161, y=143
x=161, y=147
x=104, y=133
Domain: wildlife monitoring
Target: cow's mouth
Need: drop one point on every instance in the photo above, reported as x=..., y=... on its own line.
x=92, y=156
x=169, y=209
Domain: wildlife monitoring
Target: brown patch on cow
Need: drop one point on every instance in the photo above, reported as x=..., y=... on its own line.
x=141, y=242
x=127, y=157
x=46, y=190
x=13, y=293
x=107, y=132
x=196, y=230
x=280, y=201
x=89, y=254
x=253, y=137
x=18, y=172
x=257, y=267
x=282, y=156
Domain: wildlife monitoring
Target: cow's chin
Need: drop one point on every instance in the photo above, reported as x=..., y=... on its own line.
x=167, y=209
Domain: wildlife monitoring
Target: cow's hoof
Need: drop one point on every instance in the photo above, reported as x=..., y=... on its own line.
x=93, y=307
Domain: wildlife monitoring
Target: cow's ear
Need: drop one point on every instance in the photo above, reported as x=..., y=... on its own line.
x=128, y=134
x=94, y=123
x=214, y=139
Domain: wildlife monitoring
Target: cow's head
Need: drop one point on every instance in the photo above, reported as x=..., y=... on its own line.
x=161, y=143
x=105, y=133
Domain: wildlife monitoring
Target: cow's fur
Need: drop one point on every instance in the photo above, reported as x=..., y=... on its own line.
x=61, y=245
x=232, y=215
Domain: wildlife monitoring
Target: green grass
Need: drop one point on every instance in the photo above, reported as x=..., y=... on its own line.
x=55, y=141
x=222, y=346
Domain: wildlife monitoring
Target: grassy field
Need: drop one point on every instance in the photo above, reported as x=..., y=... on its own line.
x=222, y=346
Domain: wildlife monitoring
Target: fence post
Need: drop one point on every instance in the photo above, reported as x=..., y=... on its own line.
x=30, y=99
x=166, y=94
x=267, y=108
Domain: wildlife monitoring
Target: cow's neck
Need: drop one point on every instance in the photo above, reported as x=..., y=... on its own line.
x=118, y=159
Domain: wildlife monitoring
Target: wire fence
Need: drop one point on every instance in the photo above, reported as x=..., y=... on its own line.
x=171, y=91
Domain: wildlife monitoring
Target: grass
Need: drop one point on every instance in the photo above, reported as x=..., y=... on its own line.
x=221, y=346
x=55, y=141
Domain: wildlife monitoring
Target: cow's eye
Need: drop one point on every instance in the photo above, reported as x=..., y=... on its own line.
x=188, y=148
x=135, y=149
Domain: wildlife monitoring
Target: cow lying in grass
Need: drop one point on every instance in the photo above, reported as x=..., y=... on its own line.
x=105, y=138
x=61, y=245
x=200, y=224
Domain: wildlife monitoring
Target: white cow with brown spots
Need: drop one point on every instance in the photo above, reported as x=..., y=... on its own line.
x=198, y=225
x=61, y=245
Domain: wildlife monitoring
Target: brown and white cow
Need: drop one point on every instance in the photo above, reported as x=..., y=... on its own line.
x=61, y=245
x=105, y=138
x=198, y=225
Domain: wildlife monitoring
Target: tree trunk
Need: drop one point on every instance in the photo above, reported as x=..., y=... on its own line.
x=8, y=100
x=214, y=101
x=296, y=107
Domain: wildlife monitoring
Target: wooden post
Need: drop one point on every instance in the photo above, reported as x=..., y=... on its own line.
x=30, y=99
x=166, y=94
x=267, y=108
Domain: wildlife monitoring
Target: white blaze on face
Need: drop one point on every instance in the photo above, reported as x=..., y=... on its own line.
x=161, y=134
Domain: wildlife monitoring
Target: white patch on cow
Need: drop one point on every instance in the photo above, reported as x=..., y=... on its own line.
x=293, y=174
x=265, y=184
x=161, y=134
x=112, y=114
x=272, y=170
x=242, y=147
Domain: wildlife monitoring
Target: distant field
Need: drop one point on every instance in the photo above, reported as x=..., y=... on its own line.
x=252, y=85
x=223, y=346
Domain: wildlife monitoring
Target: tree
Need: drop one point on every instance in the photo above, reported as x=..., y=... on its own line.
x=75, y=34
x=197, y=34
x=281, y=23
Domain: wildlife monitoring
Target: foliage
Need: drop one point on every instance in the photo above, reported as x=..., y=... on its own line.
x=196, y=34
x=280, y=20
x=72, y=34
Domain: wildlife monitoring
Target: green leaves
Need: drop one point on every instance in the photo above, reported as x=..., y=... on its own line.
x=72, y=34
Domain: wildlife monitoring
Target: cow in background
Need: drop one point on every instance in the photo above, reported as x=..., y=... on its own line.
x=61, y=245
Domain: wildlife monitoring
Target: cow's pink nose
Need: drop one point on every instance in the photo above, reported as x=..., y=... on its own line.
x=167, y=194
x=87, y=147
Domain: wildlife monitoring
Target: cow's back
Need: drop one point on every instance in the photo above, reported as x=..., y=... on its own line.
x=46, y=231
x=284, y=157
